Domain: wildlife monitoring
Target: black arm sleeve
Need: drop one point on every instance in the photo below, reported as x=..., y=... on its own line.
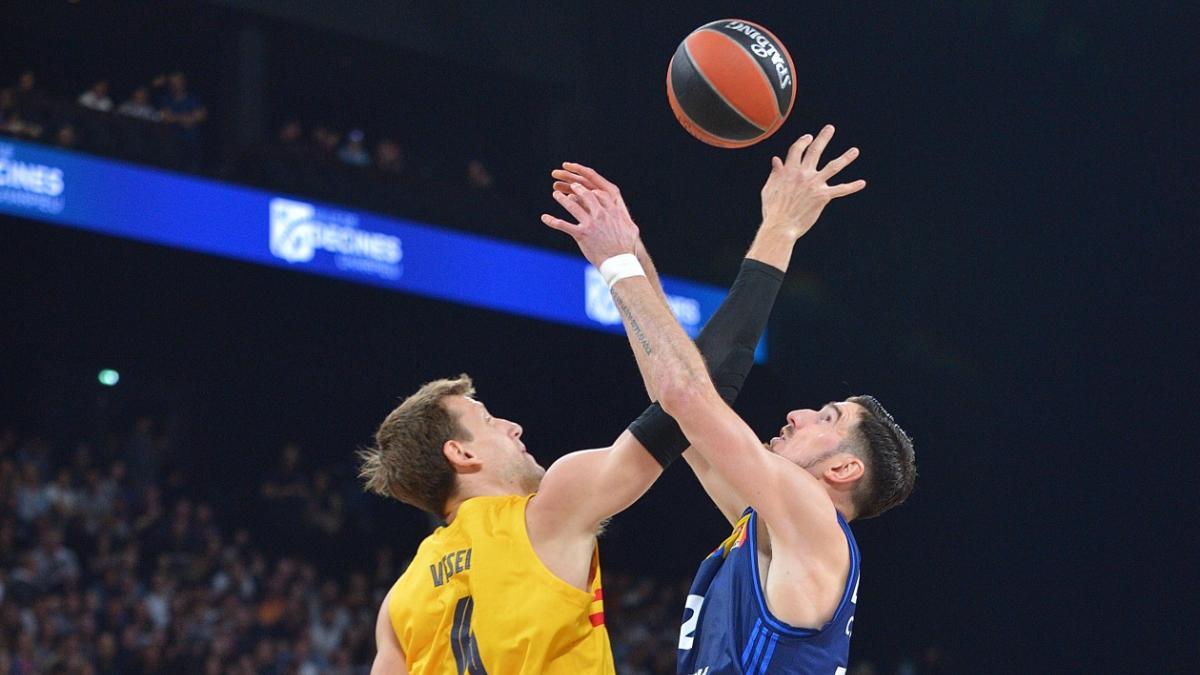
x=727, y=343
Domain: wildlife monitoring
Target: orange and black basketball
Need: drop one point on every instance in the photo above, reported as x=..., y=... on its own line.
x=731, y=83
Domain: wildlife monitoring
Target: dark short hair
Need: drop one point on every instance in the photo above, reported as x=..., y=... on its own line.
x=889, y=457
x=406, y=462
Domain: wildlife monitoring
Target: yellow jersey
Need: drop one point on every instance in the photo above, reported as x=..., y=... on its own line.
x=476, y=599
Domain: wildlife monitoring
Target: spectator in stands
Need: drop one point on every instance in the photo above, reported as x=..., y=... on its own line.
x=389, y=156
x=12, y=122
x=31, y=497
x=354, y=152
x=325, y=506
x=286, y=493
x=62, y=495
x=139, y=106
x=478, y=176
x=96, y=97
x=8, y=107
x=54, y=565
x=286, y=482
x=140, y=458
x=291, y=135
x=177, y=104
x=26, y=89
x=66, y=137
x=326, y=141
x=182, y=108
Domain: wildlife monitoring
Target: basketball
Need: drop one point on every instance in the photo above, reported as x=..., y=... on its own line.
x=731, y=83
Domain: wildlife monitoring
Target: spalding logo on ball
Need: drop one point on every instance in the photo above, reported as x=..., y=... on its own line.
x=731, y=83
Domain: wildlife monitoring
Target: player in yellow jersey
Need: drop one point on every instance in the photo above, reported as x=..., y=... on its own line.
x=512, y=583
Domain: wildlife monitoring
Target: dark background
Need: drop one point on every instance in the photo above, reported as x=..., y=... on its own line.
x=1016, y=283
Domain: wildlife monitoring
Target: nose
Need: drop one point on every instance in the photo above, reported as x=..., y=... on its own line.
x=516, y=430
x=799, y=418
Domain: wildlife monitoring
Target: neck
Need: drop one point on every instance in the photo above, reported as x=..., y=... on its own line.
x=841, y=502
x=471, y=491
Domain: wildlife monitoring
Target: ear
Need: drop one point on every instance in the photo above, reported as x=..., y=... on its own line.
x=844, y=470
x=461, y=457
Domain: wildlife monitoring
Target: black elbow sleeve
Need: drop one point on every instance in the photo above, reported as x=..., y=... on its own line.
x=727, y=343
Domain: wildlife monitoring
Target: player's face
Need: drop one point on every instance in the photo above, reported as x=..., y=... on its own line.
x=497, y=442
x=811, y=435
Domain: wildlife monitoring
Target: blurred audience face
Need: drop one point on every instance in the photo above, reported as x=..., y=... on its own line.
x=389, y=156
x=177, y=83
x=478, y=175
x=290, y=132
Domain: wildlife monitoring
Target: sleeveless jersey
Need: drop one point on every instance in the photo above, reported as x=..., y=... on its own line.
x=476, y=599
x=727, y=627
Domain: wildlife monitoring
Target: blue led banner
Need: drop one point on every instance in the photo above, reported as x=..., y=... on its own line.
x=185, y=212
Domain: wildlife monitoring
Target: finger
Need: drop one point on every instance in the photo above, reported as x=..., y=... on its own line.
x=834, y=166
x=586, y=197
x=797, y=150
x=813, y=154
x=572, y=205
x=776, y=164
x=559, y=224
x=844, y=189
x=571, y=177
x=605, y=198
x=562, y=187
x=592, y=175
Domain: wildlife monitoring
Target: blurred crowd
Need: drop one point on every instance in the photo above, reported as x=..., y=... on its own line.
x=164, y=122
x=111, y=562
x=107, y=567
x=159, y=121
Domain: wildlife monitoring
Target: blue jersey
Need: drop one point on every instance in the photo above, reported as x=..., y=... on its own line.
x=727, y=627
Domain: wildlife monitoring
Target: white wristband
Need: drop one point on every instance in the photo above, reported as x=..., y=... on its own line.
x=620, y=267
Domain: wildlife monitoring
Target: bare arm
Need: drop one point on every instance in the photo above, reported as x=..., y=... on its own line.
x=583, y=488
x=573, y=173
x=790, y=204
x=726, y=500
x=676, y=373
x=389, y=659
x=790, y=500
x=788, y=497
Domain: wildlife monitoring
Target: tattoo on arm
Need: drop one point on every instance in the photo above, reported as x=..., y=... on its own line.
x=634, y=326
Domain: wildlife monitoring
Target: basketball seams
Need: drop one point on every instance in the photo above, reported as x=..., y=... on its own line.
x=691, y=126
x=758, y=68
x=705, y=117
x=715, y=90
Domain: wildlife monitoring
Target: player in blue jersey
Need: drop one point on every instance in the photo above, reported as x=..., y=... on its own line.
x=778, y=595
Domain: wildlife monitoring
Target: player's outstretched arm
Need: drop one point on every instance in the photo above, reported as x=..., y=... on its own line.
x=389, y=659
x=582, y=489
x=678, y=377
x=792, y=200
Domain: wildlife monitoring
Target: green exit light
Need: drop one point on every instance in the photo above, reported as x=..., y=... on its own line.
x=109, y=377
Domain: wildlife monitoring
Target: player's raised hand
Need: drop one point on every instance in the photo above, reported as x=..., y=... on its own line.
x=573, y=173
x=796, y=191
x=604, y=228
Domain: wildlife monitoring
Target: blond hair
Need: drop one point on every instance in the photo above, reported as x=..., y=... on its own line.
x=406, y=461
